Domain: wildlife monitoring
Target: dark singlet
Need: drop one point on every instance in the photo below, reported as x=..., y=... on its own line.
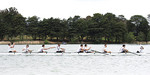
x=10, y=51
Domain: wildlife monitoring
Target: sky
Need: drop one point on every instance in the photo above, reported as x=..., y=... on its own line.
x=69, y=8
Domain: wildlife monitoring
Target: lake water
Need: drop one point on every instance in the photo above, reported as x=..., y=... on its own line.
x=75, y=65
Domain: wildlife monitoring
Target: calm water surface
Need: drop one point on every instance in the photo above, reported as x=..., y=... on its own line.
x=75, y=65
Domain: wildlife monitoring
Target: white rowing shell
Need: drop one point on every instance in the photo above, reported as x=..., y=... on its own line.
x=74, y=54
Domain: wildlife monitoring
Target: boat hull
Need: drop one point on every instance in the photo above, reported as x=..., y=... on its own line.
x=75, y=54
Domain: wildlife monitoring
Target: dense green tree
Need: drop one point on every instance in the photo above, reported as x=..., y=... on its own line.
x=57, y=28
x=148, y=18
x=9, y=18
x=122, y=19
x=2, y=26
x=12, y=23
x=20, y=24
x=95, y=27
x=47, y=30
x=148, y=36
x=64, y=29
x=110, y=21
x=72, y=24
x=98, y=28
x=119, y=31
x=130, y=38
x=140, y=37
x=141, y=24
x=43, y=29
x=81, y=28
x=131, y=27
x=32, y=26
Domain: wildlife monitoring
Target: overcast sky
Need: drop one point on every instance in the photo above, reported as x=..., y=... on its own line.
x=69, y=8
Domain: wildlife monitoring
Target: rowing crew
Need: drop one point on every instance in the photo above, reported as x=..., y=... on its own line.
x=44, y=50
x=85, y=49
x=11, y=48
x=105, y=50
x=88, y=50
x=60, y=50
x=41, y=50
x=123, y=49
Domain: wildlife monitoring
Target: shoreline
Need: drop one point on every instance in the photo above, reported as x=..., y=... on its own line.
x=26, y=42
x=51, y=42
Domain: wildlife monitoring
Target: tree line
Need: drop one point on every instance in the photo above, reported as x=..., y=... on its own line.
x=98, y=28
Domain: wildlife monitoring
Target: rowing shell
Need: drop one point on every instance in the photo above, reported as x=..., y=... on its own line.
x=75, y=54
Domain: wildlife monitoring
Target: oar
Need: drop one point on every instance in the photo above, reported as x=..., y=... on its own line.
x=31, y=51
x=99, y=52
x=134, y=53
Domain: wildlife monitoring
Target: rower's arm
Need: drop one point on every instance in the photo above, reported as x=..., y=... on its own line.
x=82, y=49
x=89, y=48
x=45, y=48
x=12, y=46
x=23, y=49
x=125, y=49
x=48, y=48
x=104, y=49
x=51, y=47
x=62, y=48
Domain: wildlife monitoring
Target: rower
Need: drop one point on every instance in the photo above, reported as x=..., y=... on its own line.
x=11, y=47
x=123, y=49
x=42, y=49
x=87, y=50
x=105, y=49
x=59, y=49
x=141, y=50
x=81, y=49
x=26, y=49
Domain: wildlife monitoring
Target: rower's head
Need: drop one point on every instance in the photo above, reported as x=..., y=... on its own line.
x=27, y=45
x=43, y=45
x=58, y=44
x=123, y=45
x=9, y=44
x=105, y=45
x=85, y=45
x=81, y=45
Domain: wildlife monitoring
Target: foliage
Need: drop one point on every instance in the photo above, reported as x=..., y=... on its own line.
x=98, y=28
x=140, y=37
x=148, y=36
x=46, y=42
x=130, y=37
x=141, y=25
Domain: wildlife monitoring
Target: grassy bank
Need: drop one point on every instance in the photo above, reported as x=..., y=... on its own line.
x=54, y=42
